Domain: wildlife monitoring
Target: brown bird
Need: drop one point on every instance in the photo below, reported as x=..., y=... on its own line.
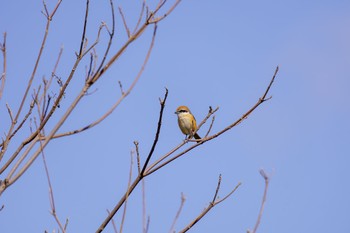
x=187, y=122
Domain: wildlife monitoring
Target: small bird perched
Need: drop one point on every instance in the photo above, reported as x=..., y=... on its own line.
x=187, y=122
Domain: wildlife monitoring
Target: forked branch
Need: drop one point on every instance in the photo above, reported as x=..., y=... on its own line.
x=213, y=203
x=147, y=170
x=140, y=176
x=161, y=163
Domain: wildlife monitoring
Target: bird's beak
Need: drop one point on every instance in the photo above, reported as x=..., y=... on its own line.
x=176, y=112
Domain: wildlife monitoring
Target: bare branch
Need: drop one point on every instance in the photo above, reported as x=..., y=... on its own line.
x=83, y=36
x=121, y=87
x=136, y=143
x=10, y=112
x=48, y=116
x=140, y=17
x=51, y=195
x=55, y=9
x=124, y=95
x=139, y=177
x=124, y=22
x=210, y=113
x=166, y=14
x=155, y=166
x=90, y=67
x=164, y=157
x=183, y=199
x=111, y=35
x=10, y=131
x=38, y=57
x=4, y=65
x=87, y=50
x=3, y=150
x=263, y=98
x=213, y=203
x=162, y=105
x=46, y=13
x=211, y=125
x=217, y=189
x=113, y=223
x=147, y=225
x=127, y=193
x=144, y=224
x=228, y=195
x=263, y=201
x=132, y=38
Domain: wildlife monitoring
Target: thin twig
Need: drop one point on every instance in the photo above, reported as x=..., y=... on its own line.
x=121, y=87
x=4, y=65
x=149, y=171
x=167, y=13
x=124, y=95
x=127, y=193
x=17, y=164
x=164, y=157
x=10, y=112
x=124, y=22
x=217, y=189
x=90, y=67
x=155, y=166
x=83, y=35
x=111, y=35
x=143, y=185
x=34, y=135
x=51, y=195
x=229, y=194
x=210, y=127
x=113, y=223
x=148, y=223
x=3, y=150
x=213, y=203
x=144, y=226
x=136, y=143
x=138, y=178
x=140, y=17
x=210, y=113
x=30, y=81
x=86, y=49
x=46, y=13
x=263, y=201
x=162, y=106
x=183, y=199
x=135, y=36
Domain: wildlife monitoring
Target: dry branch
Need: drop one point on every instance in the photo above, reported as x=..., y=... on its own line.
x=263, y=201
x=24, y=98
x=213, y=203
x=4, y=65
x=141, y=173
x=157, y=165
x=147, y=170
x=183, y=199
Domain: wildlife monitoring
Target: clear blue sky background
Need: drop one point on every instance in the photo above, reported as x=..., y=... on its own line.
x=207, y=53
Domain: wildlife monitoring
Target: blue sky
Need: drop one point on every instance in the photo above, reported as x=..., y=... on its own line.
x=207, y=54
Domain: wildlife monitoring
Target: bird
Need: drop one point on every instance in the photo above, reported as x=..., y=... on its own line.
x=187, y=122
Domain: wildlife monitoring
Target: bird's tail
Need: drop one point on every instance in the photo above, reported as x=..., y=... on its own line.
x=196, y=136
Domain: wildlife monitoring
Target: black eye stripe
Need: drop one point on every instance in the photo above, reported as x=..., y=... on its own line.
x=183, y=111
